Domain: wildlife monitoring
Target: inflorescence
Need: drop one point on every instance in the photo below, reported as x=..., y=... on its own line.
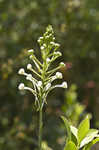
x=49, y=54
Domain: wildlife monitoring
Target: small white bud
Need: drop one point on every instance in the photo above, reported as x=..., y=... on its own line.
x=21, y=86
x=21, y=71
x=41, y=38
x=31, y=56
x=53, y=38
x=39, y=83
x=31, y=51
x=62, y=64
x=59, y=75
x=48, y=86
x=58, y=53
x=29, y=66
x=47, y=36
x=38, y=41
x=42, y=47
x=52, y=43
x=48, y=60
x=64, y=85
x=57, y=45
x=29, y=77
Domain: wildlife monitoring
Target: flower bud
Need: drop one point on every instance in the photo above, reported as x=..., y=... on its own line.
x=21, y=86
x=59, y=75
x=47, y=37
x=39, y=83
x=57, y=53
x=21, y=71
x=31, y=51
x=57, y=45
x=40, y=39
x=29, y=66
x=52, y=43
x=64, y=85
x=62, y=64
x=42, y=47
x=48, y=60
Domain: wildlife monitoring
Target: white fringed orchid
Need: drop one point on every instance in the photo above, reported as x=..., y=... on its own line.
x=43, y=84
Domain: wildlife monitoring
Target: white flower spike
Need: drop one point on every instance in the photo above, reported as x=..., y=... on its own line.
x=45, y=75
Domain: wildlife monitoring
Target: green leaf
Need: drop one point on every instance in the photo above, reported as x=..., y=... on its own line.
x=89, y=137
x=67, y=125
x=74, y=131
x=74, y=140
x=70, y=146
x=83, y=129
x=88, y=147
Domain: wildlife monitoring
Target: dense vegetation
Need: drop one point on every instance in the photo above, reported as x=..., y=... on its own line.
x=76, y=26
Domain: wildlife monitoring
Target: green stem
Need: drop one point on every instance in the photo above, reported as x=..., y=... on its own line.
x=40, y=129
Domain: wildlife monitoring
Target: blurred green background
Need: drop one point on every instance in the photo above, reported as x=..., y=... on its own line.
x=76, y=27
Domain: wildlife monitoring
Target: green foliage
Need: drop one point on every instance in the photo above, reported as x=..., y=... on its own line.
x=83, y=129
x=70, y=146
x=67, y=125
x=85, y=136
x=71, y=107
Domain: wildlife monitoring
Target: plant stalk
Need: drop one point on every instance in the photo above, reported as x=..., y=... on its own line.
x=40, y=129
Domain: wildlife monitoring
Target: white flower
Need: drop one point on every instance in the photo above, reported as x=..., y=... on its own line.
x=57, y=45
x=58, y=53
x=29, y=77
x=42, y=47
x=47, y=36
x=52, y=43
x=39, y=84
x=29, y=66
x=59, y=75
x=30, y=51
x=48, y=86
x=48, y=60
x=41, y=38
x=53, y=38
x=21, y=86
x=64, y=85
x=21, y=71
x=62, y=64
x=38, y=41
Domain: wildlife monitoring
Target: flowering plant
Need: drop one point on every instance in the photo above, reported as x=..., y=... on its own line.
x=83, y=137
x=42, y=85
